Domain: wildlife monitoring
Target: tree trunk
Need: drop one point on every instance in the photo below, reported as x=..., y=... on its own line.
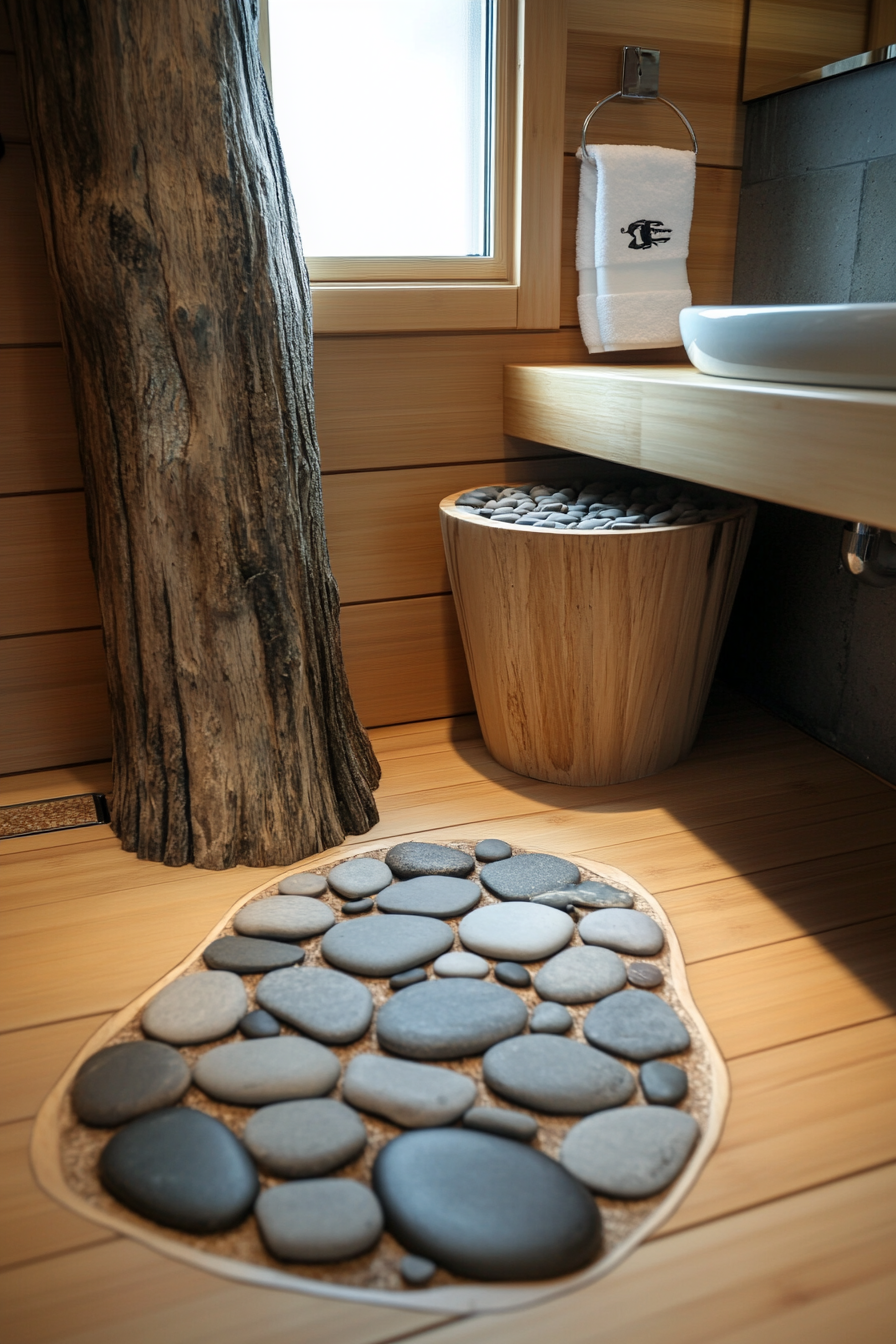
x=186, y=318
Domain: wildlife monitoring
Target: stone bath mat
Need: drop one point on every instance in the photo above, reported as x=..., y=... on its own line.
x=65, y=1152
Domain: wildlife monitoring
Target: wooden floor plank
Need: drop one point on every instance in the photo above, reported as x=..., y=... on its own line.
x=32, y=1060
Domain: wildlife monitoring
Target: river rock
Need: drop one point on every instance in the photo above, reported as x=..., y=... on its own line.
x=526, y=875
x=498, y=1120
x=383, y=945
x=250, y=956
x=359, y=907
x=461, y=964
x=416, y=1270
x=414, y=858
x=325, y=1004
x=303, y=884
x=637, y=1025
x=594, y=895
x=126, y=1080
x=412, y=1095
x=182, y=1169
x=516, y=931
x=304, y=1138
x=319, y=1221
x=624, y=931
x=555, y=1075
x=287, y=918
x=511, y=973
x=256, y=1073
x=552, y=1018
x=644, y=975
x=258, y=1025
x=438, y=897
x=631, y=1153
x=485, y=1207
x=663, y=1084
x=580, y=975
x=405, y=978
x=359, y=877
x=489, y=851
x=447, y=1019
x=559, y=900
x=196, y=1008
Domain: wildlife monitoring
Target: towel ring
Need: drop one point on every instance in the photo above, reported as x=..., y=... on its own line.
x=619, y=94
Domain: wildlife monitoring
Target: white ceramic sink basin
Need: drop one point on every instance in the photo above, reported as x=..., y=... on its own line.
x=840, y=344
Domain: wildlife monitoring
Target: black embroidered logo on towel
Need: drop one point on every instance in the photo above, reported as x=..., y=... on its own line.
x=646, y=233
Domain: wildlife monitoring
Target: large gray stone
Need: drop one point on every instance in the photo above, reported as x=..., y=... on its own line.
x=628, y=931
x=489, y=851
x=447, y=1019
x=555, y=1075
x=461, y=964
x=319, y=1221
x=631, y=1153
x=552, y=1018
x=325, y=1004
x=581, y=975
x=498, y=1120
x=303, y=884
x=594, y=895
x=516, y=931
x=663, y=1084
x=485, y=1207
x=525, y=875
x=383, y=945
x=256, y=1073
x=182, y=1169
x=304, y=1138
x=285, y=917
x=359, y=877
x=413, y=1095
x=637, y=1025
x=414, y=858
x=439, y=897
x=196, y=1008
x=250, y=956
x=126, y=1080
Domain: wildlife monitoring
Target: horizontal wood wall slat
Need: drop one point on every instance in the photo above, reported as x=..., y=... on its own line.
x=28, y=314
x=55, y=704
x=47, y=577
x=405, y=660
x=38, y=439
x=12, y=110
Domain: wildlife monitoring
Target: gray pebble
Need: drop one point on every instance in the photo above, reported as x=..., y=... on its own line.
x=196, y=1008
x=256, y=1073
x=405, y=978
x=319, y=1221
x=447, y=1019
x=644, y=975
x=123, y=1081
x=416, y=1270
x=498, y=1120
x=663, y=1084
x=284, y=917
x=556, y=1075
x=304, y=1138
x=359, y=877
x=258, y=1025
x=250, y=956
x=488, y=851
x=412, y=1095
x=438, y=897
x=325, y=1004
x=552, y=1018
x=465, y=964
x=383, y=945
x=637, y=1025
x=631, y=1153
x=511, y=973
x=628, y=931
x=592, y=895
x=516, y=931
x=414, y=858
x=558, y=900
x=359, y=907
x=303, y=884
x=526, y=875
x=580, y=975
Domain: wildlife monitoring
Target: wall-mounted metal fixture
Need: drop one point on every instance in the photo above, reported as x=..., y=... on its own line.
x=640, y=84
x=870, y=554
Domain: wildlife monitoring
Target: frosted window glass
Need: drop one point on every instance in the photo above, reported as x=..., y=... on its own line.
x=384, y=114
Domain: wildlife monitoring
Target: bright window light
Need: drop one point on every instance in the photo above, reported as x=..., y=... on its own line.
x=384, y=109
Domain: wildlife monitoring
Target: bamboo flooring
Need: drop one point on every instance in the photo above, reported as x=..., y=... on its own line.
x=776, y=860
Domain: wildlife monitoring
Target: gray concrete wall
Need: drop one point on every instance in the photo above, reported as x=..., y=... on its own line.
x=818, y=225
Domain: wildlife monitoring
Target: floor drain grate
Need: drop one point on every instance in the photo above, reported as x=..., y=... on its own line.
x=53, y=814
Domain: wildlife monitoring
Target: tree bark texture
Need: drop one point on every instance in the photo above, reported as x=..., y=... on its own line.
x=186, y=317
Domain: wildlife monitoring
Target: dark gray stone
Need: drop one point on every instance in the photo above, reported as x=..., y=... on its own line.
x=126, y=1080
x=288, y=918
x=182, y=1169
x=414, y=858
x=552, y=1018
x=415, y=1096
x=416, y=1270
x=303, y=884
x=580, y=975
x=498, y=1120
x=359, y=877
x=558, y=900
x=258, y=1025
x=319, y=1221
x=631, y=1153
x=526, y=875
x=256, y=1073
x=485, y=1207
x=405, y=978
x=516, y=931
x=644, y=975
x=593, y=895
x=438, y=897
x=637, y=1025
x=512, y=973
x=663, y=1084
x=461, y=964
x=250, y=956
x=489, y=851
x=196, y=1008
x=325, y=1004
x=383, y=945
x=359, y=907
x=304, y=1138
x=628, y=931
x=447, y=1019
x=557, y=1076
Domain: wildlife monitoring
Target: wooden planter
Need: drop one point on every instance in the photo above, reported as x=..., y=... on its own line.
x=591, y=653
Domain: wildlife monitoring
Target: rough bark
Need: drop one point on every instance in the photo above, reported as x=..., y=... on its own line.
x=186, y=317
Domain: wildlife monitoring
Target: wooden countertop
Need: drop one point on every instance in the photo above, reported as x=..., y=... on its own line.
x=830, y=450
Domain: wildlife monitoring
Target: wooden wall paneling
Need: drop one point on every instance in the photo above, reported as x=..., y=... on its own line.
x=28, y=314
x=47, y=577
x=405, y=660
x=38, y=440
x=55, y=706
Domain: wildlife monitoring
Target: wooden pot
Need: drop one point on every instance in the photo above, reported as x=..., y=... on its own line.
x=591, y=653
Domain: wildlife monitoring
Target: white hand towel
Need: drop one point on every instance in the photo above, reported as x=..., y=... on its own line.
x=631, y=259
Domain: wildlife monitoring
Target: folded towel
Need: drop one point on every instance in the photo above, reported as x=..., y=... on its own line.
x=635, y=207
